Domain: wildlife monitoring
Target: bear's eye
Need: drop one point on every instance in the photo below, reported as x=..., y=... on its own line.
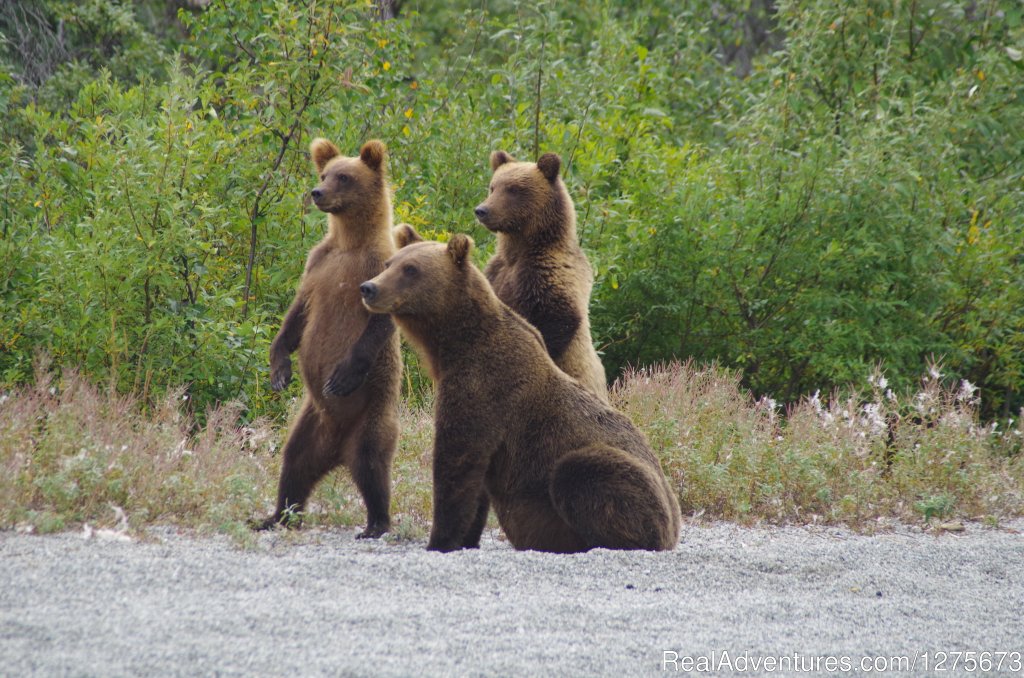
x=344, y=178
x=409, y=269
x=490, y=189
x=322, y=177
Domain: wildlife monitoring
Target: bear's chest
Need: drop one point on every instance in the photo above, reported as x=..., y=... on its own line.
x=524, y=284
x=335, y=282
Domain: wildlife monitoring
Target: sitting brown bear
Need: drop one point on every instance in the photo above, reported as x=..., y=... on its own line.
x=565, y=471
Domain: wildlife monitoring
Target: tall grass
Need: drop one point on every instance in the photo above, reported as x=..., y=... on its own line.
x=850, y=460
x=73, y=454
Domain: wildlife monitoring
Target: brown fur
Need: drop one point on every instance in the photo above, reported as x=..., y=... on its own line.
x=404, y=234
x=539, y=268
x=564, y=471
x=351, y=365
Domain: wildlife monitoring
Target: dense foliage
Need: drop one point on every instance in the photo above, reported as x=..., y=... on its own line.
x=802, y=190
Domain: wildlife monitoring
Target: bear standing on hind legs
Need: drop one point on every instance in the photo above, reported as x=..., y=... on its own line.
x=539, y=268
x=350, y=360
x=564, y=471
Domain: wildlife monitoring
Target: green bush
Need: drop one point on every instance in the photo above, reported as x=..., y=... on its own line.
x=801, y=194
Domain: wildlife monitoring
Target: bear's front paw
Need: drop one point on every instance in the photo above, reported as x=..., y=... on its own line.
x=347, y=377
x=281, y=376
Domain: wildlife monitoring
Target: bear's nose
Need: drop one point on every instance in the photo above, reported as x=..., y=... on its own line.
x=368, y=290
x=480, y=212
x=316, y=193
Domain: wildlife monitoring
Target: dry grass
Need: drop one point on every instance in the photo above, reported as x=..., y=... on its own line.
x=72, y=455
x=851, y=460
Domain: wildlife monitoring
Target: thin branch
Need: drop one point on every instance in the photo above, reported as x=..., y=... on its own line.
x=536, y=114
x=257, y=208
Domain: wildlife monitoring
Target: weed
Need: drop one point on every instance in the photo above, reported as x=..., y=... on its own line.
x=69, y=452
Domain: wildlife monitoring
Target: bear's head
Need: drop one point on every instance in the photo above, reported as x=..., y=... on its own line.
x=527, y=199
x=348, y=185
x=422, y=278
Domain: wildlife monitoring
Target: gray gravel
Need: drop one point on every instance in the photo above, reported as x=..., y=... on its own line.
x=322, y=603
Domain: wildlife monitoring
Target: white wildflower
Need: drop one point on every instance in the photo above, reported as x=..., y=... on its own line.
x=933, y=372
x=923, y=402
x=878, y=381
x=966, y=392
x=872, y=418
x=815, y=401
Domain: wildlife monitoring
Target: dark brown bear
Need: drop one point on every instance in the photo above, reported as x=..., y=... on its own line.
x=350, y=360
x=564, y=471
x=538, y=268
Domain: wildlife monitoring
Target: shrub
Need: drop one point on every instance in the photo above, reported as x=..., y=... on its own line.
x=799, y=195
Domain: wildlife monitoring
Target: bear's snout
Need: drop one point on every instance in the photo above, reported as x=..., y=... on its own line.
x=368, y=290
x=481, y=212
x=316, y=194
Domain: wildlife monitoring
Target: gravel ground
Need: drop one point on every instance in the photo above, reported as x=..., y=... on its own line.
x=322, y=603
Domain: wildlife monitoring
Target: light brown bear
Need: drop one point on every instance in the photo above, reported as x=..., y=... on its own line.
x=564, y=471
x=539, y=268
x=350, y=360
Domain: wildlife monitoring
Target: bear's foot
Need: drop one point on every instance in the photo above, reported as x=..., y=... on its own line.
x=374, y=531
x=264, y=524
x=288, y=520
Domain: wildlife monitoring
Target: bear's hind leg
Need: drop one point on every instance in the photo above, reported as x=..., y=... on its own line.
x=472, y=539
x=306, y=458
x=371, y=472
x=613, y=501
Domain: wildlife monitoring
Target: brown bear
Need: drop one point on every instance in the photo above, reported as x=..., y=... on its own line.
x=564, y=471
x=539, y=268
x=350, y=360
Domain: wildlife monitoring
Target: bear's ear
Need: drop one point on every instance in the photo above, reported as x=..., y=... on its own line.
x=458, y=248
x=549, y=164
x=499, y=158
x=404, y=234
x=372, y=153
x=322, y=152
